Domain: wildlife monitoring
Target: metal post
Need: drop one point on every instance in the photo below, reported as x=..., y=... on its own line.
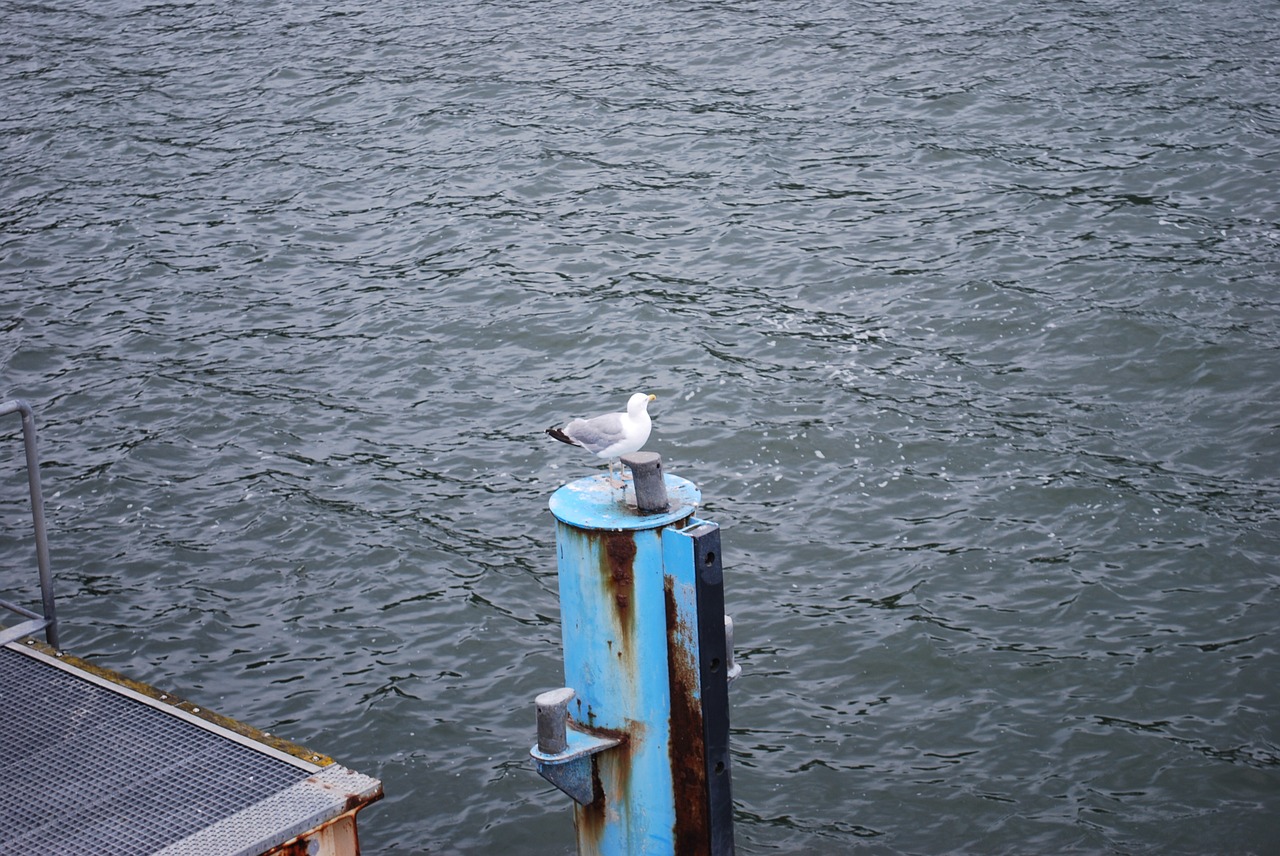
x=645, y=752
x=37, y=515
x=698, y=666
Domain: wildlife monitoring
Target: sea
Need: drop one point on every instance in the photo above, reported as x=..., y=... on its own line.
x=964, y=318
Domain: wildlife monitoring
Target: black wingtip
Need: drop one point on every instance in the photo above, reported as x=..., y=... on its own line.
x=560, y=435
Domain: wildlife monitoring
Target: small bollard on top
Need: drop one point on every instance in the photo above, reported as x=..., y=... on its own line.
x=650, y=486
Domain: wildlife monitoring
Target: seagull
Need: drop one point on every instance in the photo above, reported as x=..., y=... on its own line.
x=612, y=435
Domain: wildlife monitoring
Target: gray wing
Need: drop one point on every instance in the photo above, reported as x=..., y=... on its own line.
x=597, y=433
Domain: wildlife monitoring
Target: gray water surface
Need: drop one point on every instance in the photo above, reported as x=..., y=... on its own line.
x=962, y=316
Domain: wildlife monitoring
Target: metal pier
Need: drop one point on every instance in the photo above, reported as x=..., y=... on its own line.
x=93, y=762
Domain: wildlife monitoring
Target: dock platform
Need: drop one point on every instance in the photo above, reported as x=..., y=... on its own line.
x=92, y=762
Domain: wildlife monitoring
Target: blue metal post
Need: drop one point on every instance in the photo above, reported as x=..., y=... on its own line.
x=645, y=751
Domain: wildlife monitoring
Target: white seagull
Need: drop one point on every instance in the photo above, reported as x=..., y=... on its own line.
x=612, y=435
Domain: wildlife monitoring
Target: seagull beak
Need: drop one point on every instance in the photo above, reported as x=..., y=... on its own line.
x=653, y=397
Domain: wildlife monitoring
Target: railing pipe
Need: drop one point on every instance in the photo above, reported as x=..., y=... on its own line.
x=17, y=405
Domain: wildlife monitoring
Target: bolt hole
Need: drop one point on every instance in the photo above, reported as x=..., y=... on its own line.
x=719, y=767
x=715, y=664
x=710, y=558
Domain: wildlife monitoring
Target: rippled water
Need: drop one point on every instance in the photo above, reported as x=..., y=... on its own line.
x=962, y=316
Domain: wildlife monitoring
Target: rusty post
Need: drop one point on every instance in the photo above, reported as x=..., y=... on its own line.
x=698, y=661
x=647, y=732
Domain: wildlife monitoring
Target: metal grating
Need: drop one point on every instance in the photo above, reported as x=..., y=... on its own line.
x=84, y=769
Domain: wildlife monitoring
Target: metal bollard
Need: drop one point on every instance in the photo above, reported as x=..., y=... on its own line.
x=649, y=485
x=646, y=732
x=553, y=720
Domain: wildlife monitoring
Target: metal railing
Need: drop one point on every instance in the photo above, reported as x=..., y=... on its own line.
x=34, y=621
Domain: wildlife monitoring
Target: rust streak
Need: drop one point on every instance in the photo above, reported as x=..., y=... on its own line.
x=618, y=577
x=686, y=747
x=590, y=819
x=610, y=780
x=620, y=552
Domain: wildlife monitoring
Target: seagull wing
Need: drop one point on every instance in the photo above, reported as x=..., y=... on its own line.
x=598, y=433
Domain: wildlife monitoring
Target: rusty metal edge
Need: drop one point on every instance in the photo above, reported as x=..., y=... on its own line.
x=332, y=793
x=339, y=836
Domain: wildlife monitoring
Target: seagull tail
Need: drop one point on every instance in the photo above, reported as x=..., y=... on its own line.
x=561, y=436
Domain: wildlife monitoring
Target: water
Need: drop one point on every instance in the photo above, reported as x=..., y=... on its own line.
x=962, y=317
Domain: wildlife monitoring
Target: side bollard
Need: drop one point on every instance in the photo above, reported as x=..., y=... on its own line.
x=639, y=737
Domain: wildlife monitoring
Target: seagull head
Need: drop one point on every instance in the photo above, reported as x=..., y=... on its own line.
x=639, y=403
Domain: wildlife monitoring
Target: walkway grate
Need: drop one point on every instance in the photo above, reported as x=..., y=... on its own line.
x=86, y=768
